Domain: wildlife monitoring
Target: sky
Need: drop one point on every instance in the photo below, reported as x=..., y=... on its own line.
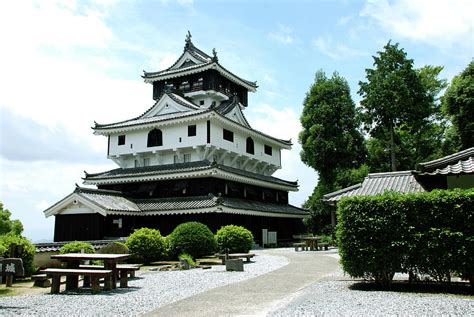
x=65, y=64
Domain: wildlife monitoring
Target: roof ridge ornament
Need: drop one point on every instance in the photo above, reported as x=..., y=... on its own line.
x=214, y=55
x=188, y=42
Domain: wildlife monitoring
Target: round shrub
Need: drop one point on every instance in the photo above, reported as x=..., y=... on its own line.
x=234, y=239
x=193, y=238
x=77, y=247
x=146, y=244
x=27, y=254
x=114, y=248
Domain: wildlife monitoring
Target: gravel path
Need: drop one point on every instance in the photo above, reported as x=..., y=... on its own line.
x=149, y=291
x=332, y=297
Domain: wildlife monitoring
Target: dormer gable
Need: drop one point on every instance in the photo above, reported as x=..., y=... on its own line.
x=237, y=115
x=186, y=60
x=169, y=103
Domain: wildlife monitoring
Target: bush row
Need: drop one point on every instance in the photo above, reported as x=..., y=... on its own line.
x=192, y=238
x=423, y=234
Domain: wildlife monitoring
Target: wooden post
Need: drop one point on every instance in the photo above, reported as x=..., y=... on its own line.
x=123, y=278
x=95, y=284
x=56, y=283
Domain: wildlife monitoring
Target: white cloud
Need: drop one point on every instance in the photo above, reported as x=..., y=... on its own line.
x=283, y=35
x=285, y=124
x=335, y=50
x=441, y=23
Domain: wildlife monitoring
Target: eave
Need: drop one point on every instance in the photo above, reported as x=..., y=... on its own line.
x=169, y=74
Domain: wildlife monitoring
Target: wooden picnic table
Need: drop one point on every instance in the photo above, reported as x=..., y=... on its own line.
x=73, y=260
x=312, y=241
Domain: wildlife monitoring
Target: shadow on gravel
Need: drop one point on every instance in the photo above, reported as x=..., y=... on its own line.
x=405, y=287
x=87, y=292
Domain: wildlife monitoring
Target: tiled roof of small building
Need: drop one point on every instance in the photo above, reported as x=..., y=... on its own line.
x=454, y=164
x=377, y=183
x=55, y=246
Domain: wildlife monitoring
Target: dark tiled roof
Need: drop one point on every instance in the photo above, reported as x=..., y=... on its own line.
x=176, y=203
x=116, y=203
x=55, y=246
x=236, y=203
x=151, y=170
x=454, y=164
x=183, y=168
x=377, y=183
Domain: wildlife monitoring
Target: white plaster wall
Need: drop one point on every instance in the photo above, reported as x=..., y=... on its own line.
x=240, y=142
x=136, y=142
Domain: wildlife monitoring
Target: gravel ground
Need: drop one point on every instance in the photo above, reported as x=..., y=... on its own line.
x=332, y=297
x=148, y=291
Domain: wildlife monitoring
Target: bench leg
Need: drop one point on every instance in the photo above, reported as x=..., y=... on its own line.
x=108, y=283
x=95, y=284
x=72, y=282
x=56, y=283
x=87, y=281
x=132, y=273
x=123, y=279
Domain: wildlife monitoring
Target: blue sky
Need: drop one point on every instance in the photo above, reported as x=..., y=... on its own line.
x=64, y=64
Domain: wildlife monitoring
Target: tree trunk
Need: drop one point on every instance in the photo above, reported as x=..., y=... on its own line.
x=393, y=162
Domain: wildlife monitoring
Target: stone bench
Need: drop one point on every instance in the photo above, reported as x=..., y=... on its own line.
x=301, y=245
x=94, y=275
x=41, y=280
x=123, y=270
x=247, y=256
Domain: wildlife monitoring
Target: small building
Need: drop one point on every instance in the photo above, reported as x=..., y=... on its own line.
x=452, y=171
x=192, y=156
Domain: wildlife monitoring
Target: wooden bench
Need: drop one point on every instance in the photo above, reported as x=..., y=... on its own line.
x=94, y=275
x=41, y=280
x=301, y=245
x=324, y=245
x=123, y=270
x=247, y=256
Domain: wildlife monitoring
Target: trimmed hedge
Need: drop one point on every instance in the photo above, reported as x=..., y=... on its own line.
x=193, y=238
x=114, y=248
x=77, y=247
x=146, y=245
x=27, y=255
x=235, y=239
x=430, y=234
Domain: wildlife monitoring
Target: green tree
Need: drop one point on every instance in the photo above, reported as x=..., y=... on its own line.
x=330, y=139
x=7, y=225
x=458, y=103
x=413, y=146
x=394, y=97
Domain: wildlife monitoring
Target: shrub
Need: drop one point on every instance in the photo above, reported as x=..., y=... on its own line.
x=193, y=238
x=422, y=233
x=234, y=239
x=114, y=248
x=146, y=244
x=188, y=259
x=77, y=247
x=27, y=254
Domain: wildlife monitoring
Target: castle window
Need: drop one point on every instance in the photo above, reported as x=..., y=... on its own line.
x=268, y=149
x=201, y=103
x=155, y=138
x=121, y=139
x=146, y=162
x=250, y=146
x=192, y=130
x=228, y=135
